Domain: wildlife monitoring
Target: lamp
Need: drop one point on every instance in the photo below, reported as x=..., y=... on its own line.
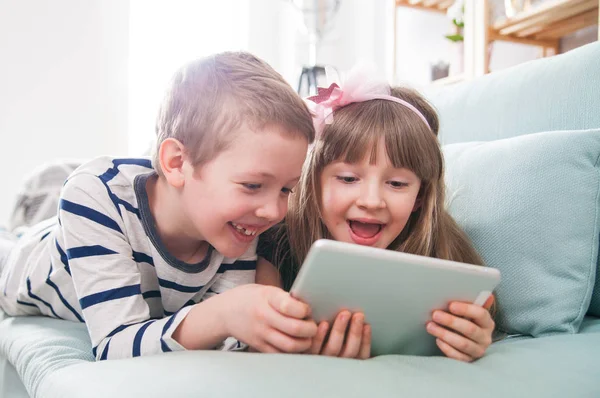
x=317, y=16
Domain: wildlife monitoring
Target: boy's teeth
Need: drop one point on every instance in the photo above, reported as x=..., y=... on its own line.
x=245, y=231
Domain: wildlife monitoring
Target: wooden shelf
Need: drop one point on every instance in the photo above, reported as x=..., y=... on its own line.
x=430, y=5
x=545, y=24
x=542, y=25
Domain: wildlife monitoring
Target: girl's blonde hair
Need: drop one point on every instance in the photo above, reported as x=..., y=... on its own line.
x=356, y=129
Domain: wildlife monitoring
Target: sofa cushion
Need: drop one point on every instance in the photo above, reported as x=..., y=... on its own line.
x=530, y=205
x=595, y=303
x=557, y=366
x=37, y=346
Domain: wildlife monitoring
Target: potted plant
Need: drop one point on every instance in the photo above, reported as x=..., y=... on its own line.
x=457, y=36
x=456, y=14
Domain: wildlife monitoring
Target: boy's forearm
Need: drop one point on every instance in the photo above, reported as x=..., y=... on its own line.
x=203, y=328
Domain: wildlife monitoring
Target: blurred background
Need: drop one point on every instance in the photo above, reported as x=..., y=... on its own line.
x=83, y=78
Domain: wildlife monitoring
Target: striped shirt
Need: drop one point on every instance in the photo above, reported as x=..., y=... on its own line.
x=102, y=262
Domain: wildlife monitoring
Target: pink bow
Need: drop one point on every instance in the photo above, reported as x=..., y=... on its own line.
x=358, y=86
x=324, y=104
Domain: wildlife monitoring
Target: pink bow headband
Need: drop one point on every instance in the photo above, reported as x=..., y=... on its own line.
x=356, y=89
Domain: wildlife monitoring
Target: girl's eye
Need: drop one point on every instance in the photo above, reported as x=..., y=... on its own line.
x=251, y=186
x=398, y=184
x=287, y=191
x=346, y=179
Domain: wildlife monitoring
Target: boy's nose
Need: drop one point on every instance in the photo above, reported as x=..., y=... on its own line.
x=271, y=211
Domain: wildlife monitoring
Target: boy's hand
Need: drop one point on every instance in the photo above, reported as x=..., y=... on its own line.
x=466, y=332
x=268, y=319
x=350, y=337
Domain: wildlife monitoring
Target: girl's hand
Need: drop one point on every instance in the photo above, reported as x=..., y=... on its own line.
x=466, y=332
x=350, y=337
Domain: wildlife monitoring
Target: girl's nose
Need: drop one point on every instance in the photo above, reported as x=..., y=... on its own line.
x=371, y=197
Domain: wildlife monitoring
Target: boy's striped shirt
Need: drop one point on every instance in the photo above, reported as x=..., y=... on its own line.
x=101, y=261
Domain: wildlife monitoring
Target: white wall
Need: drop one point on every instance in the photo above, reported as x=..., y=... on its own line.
x=362, y=31
x=273, y=26
x=165, y=34
x=420, y=42
x=63, y=84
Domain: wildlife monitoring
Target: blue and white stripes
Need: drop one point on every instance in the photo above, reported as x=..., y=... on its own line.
x=104, y=264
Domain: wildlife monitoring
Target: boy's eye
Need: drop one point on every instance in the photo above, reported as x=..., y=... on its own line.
x=398, y=184
x=251, y=186
x=346, y=179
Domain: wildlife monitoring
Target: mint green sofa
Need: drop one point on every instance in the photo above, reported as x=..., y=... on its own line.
x=549, y=299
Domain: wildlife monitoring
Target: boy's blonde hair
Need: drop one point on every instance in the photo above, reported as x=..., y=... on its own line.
x=210, y=98
x=356, y=129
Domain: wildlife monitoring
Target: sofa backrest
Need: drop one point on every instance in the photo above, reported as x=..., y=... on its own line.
x=556, y=93
x=559, y=93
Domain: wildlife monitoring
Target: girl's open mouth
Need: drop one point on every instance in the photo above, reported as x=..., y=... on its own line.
x=365, y=233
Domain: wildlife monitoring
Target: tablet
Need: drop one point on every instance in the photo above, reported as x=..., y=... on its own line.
x=396, y=291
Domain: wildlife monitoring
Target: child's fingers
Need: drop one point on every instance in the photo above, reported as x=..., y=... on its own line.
x=450, y=352
x=319, y=339
x=354, y=336
x=458, y=342
x=287, y=305
x=365, y=348
x=463, y=326
x=285, y=343
x=293, y=327
x=333, y=347
x=477, y=314
x=263, y=346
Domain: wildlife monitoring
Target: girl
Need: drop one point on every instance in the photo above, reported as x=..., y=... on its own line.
x=375, y=176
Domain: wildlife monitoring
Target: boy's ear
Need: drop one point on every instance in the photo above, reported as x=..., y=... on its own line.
x=171, y=156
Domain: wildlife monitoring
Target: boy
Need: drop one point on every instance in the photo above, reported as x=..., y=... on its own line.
x=161, y=256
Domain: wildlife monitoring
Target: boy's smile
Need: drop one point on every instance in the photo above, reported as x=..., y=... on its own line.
x=245, y=230
x=244, y=190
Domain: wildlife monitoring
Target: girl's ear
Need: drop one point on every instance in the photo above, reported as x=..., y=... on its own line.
x=171, y=156
x=419, y=199
x=418, y=203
